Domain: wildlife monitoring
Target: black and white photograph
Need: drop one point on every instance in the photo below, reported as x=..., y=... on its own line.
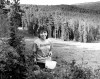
x=49, y=39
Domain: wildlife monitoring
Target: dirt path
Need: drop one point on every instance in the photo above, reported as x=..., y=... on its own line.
x=66, y=44
x=87, y=46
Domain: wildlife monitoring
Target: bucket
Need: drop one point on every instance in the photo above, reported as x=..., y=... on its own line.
x=50, y=64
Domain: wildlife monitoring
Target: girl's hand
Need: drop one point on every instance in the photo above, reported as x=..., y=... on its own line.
x=48, y=58
x=50, y=53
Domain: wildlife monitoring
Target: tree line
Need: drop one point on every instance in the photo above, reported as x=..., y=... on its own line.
x=66, y=25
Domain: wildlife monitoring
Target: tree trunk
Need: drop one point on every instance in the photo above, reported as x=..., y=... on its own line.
x=62, y=32
x=55, y=33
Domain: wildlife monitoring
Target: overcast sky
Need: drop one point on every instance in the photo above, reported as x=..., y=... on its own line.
x=55, y=2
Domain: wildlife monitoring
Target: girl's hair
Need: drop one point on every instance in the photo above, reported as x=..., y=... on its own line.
x=41, y=29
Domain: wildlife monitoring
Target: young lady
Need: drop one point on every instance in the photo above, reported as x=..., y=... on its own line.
x=42, y=47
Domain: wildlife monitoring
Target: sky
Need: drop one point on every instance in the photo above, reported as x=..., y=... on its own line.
x=55, y=2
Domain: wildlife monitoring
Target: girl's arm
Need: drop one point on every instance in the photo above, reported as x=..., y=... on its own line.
x=34, y=50
x=34, y=47
x=50, y=52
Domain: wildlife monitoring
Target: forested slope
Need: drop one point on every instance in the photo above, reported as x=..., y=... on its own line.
x=63, y=21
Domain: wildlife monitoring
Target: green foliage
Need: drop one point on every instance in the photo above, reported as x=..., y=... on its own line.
x=76, y=32
x=4, y=25
x=3, y=20
x=17, y=43
x=15, y=19
x=72, y=71
x=33, y=26
x=92, y=34
x=2, y=2
x=53, y=18
x=15, y=15
x=79, y=72
x=10, y=66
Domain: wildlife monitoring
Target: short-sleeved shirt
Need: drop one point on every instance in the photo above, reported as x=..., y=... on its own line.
x=41, y=48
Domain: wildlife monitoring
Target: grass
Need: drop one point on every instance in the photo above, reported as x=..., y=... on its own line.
x=68, y=53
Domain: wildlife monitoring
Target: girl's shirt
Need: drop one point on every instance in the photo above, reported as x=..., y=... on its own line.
x=41, y=49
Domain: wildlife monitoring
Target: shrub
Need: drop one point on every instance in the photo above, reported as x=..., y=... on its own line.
x=72, y=71
x=10, y=67
x=14, y=68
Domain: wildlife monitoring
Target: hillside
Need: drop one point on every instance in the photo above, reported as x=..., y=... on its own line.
x=90, y=5
x=61, y=17
x=72, y=8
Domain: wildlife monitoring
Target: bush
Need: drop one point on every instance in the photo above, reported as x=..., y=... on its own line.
x=10, y=67
x=72, y=71
x=12, y=58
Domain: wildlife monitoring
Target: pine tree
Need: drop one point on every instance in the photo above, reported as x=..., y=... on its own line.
x=15, y=15
x=51, y=25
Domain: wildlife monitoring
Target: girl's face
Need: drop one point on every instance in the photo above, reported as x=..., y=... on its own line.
x=43, y=35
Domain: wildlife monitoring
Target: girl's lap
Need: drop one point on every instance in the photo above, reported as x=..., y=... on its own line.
x=41, y=65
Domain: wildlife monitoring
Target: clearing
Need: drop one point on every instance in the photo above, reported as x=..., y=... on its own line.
x=86, y=54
